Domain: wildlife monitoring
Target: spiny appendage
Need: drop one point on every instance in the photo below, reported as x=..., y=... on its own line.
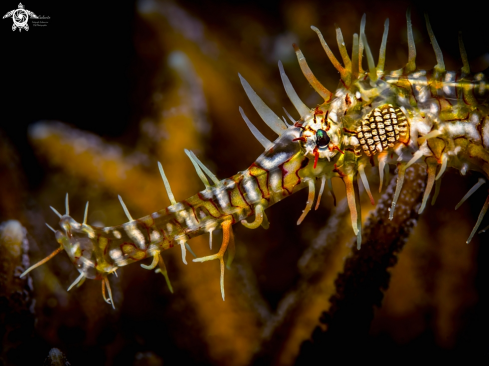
x=227, y=242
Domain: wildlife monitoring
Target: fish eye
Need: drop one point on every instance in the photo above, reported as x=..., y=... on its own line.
x=322, y=138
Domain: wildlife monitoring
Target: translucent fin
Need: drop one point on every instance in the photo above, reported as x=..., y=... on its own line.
x=440, y=64
x=310, y=200
x=370, y=59
x=329, y=53
x=321, y=190
x=417, y=155
x=444, y=162
x=163, y=271
x=67, y=206
x=291, y=93
x=227, y=236
x=85, y=215
x=258, y=135
x=330, y=186
x=258, y=218
x=318, y=87
x=205, y=169
x=78, y=279
x=428, y=136
x=429, y=185
x=479, y=219
x=125, y=209
x=154, y=263
x=167, y=184
x=41, y=262
x=463, y=54
x=199, y=171
x=411, y=65
x=360, y=41
x=268, y=116
x=190, y=249
x=363, y=176
x=354, y=57
x=291, y=119
x=54, y=231
x=342, y=48
x=383, y=46
x=400, y=182
x=55, y=211
x=265, y=224
x=382, y=163
x=437, y=191
x=184, y=251
x=110, y=300
x=350, y=195
x=471, y=191
x=359, y=215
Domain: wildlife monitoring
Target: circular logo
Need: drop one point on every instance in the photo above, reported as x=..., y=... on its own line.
x=20, y=17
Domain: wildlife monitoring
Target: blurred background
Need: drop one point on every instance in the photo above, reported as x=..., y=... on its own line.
x=93, y=100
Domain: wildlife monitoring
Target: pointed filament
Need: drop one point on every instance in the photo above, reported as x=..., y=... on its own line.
x=355, y=56
x=479, y=183
x=41, y=262
x=227, y=237
x=291, y=93
x=417, y=155
x=199, y=171
x=437, y=191
x=153, y=263
x=184, y=251
x=411, y=65
x=125, y=209
x=440, y=64
x=463, y=54
x=110, y=300
x=330, y=54
x=318, y=87
x=167, y=184
x=360, y=42
x=429, y=185
x=363, y=176
x=330, y=186
x=400, y=182
x=54, y=231
x=85, y=215
x=55, y=211
x=444, y=162
x=370, y=60
x=258, y=218
x=428, y=136
x=258, y=135
x=289, y=116
x=190, y=249
x=343, y=50
x=67, y=206
x=479, y=220
x=359, y=215
x=383, y=46
x=382, y=163
x=210, y=238
x=350, y=195
x=267, y=115
x=321, y=190
x=78, y=279
x=205, y=169
x=163, y=271
x=310, y=200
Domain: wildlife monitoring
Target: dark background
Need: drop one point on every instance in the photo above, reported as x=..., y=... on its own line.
x=96, y=66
